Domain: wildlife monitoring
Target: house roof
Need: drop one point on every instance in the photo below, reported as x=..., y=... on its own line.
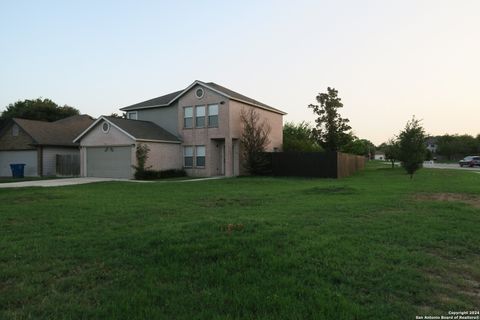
x=58, y=133
x=168, y=99
x=135, y=129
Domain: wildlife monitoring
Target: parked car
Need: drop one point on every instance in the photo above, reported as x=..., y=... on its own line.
x=470, y=161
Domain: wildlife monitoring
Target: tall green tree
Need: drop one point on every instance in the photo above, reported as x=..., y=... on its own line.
x=38, y=109
x=299, y=137
x=332, y=131
x=412, y=146
x=392, y=151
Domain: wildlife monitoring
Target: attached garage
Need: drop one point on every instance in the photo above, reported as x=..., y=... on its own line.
x=109, y=162
x=108, y=147
x=28, y=157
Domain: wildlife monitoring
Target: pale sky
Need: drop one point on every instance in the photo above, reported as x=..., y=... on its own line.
x=389, y=59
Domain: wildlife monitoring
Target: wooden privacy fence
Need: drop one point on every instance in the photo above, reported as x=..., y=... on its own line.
x=68, y=165
x=312, y=164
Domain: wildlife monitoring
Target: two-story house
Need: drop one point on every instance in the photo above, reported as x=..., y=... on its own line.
x=198, y=129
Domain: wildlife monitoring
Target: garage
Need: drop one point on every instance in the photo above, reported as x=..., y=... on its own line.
x=28, y=157
x=109, y=162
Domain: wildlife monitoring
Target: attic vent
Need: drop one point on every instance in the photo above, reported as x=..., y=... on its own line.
x=15, y=130
x=105, y=127
x=199, y=93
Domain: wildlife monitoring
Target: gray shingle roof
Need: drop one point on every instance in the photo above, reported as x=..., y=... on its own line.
x=58, y=133
x=165, y=100
x=143, y=130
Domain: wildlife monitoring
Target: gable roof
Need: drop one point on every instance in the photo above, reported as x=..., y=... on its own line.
x=136, y=129
x=168, y=99
x=58, y=133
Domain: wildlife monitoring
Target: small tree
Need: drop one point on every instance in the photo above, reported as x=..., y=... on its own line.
x=392, y=151
x=254, y=140
x=412, y=146
x=142, y=156
x=332, y=131
x=299, y=137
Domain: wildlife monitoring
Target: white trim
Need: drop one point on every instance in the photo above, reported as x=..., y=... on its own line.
x=161, y=141
x=198, y=82
x=108, y=127
x=133, y=112
x=110, y=122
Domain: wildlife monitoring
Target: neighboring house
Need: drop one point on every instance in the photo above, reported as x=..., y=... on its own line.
x=379, y=155
x=36, y=143
x=431, y=144
x=197, y=129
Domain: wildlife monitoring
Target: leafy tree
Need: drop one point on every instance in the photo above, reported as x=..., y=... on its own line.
x=412, y=146
x=142, y=156
x=457, y=146
x=116, y=115
x=392, y=151
x=254, y=140
x=38, y=109
x=361, y=147
x=332, y=131
x=299, y=137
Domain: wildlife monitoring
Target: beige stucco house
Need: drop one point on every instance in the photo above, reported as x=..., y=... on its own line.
x=197, y=129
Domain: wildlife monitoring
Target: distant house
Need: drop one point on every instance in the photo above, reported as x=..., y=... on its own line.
x=36, y=143
x=379, y=155
x=197, y=128
x=431, y=144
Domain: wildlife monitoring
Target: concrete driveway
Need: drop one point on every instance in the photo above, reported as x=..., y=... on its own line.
x=59, y=182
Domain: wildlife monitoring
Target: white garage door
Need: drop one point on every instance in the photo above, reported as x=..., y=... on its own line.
x=28, y=157
x=109, y=162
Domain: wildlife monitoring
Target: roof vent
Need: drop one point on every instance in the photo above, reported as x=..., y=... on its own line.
x=199, y=93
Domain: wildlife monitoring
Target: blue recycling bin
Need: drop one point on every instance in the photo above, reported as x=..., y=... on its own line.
x=18, y=170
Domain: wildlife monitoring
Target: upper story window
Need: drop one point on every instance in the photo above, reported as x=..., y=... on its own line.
x=188, y=117
x=199, y=93
x=200, y=156
x=213, y=115
x=188, y=157
x=15, y=130
x=132, y=115
x=200, y=116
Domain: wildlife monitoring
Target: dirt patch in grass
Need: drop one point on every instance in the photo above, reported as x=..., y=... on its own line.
x=230, y=202
x=340, y=190
x=473, y=200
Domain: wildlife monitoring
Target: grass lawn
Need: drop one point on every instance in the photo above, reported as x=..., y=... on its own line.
x=373, y=246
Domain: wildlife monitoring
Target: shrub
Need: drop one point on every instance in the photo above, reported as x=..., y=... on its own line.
x=149, y=174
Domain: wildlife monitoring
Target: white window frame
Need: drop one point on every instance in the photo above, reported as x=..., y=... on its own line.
x=204, y=156
x=185, y=117
x=209, y=115
x=204, y=116
x=131, y=113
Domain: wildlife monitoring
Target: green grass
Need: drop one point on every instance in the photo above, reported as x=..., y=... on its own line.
x=248, y=248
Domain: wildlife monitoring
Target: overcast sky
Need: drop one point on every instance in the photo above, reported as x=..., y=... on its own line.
x=389, y=59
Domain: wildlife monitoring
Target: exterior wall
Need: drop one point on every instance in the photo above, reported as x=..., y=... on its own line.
x=164, y=156
x=165, y=117
x=209, y=137
x=96, y=137
x=275, y=121
x=20, y=142
x=49, y=160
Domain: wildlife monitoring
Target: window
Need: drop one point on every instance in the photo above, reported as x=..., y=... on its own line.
x=105, y=127
x=200, y=116
x=132, y=115
x=188, y=117
x=15, y=130
x=188, y=157
x=199, y=93
x=200, y=156
x=213, y=115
